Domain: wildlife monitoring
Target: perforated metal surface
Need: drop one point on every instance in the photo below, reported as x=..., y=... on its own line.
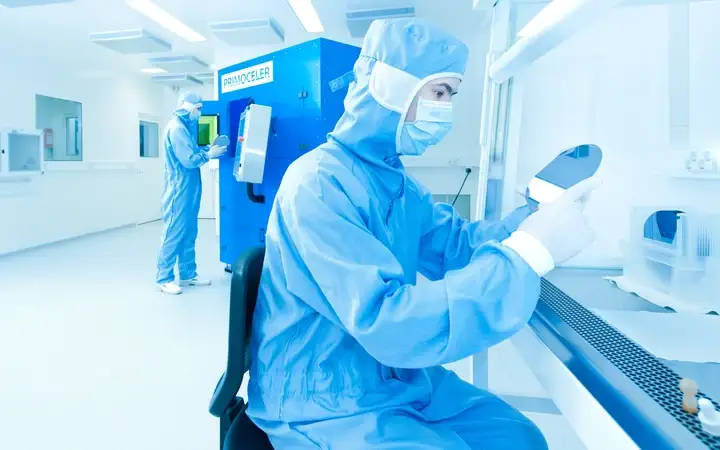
x=658, y=381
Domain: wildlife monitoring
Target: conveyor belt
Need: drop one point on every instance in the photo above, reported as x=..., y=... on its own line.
x=613, y=368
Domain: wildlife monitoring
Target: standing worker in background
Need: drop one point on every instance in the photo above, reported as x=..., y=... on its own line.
x=348, y=342
x=181, y=197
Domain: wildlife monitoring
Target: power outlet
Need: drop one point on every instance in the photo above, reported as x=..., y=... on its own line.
x=705, y=161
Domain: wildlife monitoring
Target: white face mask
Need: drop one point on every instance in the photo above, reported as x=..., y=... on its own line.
x=432, y=123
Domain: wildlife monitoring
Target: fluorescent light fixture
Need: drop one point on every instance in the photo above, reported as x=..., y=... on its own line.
x=165, y=19
x=249, y=32
x=130, y=42
x=178, y=80
x=205, y=76
x=306, y=14
x=24, y=3
x=550, y=16
x=179, y=64
x=153, y=70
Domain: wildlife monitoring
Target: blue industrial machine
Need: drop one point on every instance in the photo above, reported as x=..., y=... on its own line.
x=283, y=105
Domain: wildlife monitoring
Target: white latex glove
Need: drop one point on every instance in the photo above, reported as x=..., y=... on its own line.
x=216, y=151
x=561, y=226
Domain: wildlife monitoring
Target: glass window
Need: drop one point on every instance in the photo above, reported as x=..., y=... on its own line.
x=149, y=141
x=61, y=122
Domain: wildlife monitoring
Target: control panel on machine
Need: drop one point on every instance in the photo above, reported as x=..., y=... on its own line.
x=251, y=149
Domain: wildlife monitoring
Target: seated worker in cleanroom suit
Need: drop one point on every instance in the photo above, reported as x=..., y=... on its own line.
x=181, y=197
x=347, y=342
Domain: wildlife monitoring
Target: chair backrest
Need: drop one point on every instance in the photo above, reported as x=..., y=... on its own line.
x=243, y=297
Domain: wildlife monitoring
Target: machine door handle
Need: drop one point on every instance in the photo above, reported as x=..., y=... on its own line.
x=252, y=196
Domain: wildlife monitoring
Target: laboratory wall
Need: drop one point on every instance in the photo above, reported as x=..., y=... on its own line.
x=641, y=83
x=80, y=197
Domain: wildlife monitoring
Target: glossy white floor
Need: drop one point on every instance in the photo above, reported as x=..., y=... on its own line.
x=92, y=357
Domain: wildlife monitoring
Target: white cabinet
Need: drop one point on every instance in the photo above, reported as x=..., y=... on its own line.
x=21, y=152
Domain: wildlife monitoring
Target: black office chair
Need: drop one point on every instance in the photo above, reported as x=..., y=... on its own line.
x=237, y=431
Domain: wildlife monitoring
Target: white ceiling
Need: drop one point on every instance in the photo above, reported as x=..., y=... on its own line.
x=59, y=33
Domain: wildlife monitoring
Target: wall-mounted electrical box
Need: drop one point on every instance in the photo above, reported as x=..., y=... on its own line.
x=251, y=151
x=21, y=152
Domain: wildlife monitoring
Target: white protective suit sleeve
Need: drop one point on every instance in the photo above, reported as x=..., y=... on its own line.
x=448, y=240
x=190, y=155
x=403, y=325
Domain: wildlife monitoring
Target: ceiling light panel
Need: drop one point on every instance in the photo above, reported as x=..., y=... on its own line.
x=131, y=42
x=179, y=80
x=205, y=76
x=249, y=32
x=179, y=64
x=358, y=22
x=165, y=19
x=307, y=15
x=24, y=3
x=153, y=70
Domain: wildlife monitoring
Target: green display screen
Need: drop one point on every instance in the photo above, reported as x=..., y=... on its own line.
x=207, y=129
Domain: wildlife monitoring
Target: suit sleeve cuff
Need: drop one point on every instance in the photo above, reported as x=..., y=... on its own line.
x=531, y=251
